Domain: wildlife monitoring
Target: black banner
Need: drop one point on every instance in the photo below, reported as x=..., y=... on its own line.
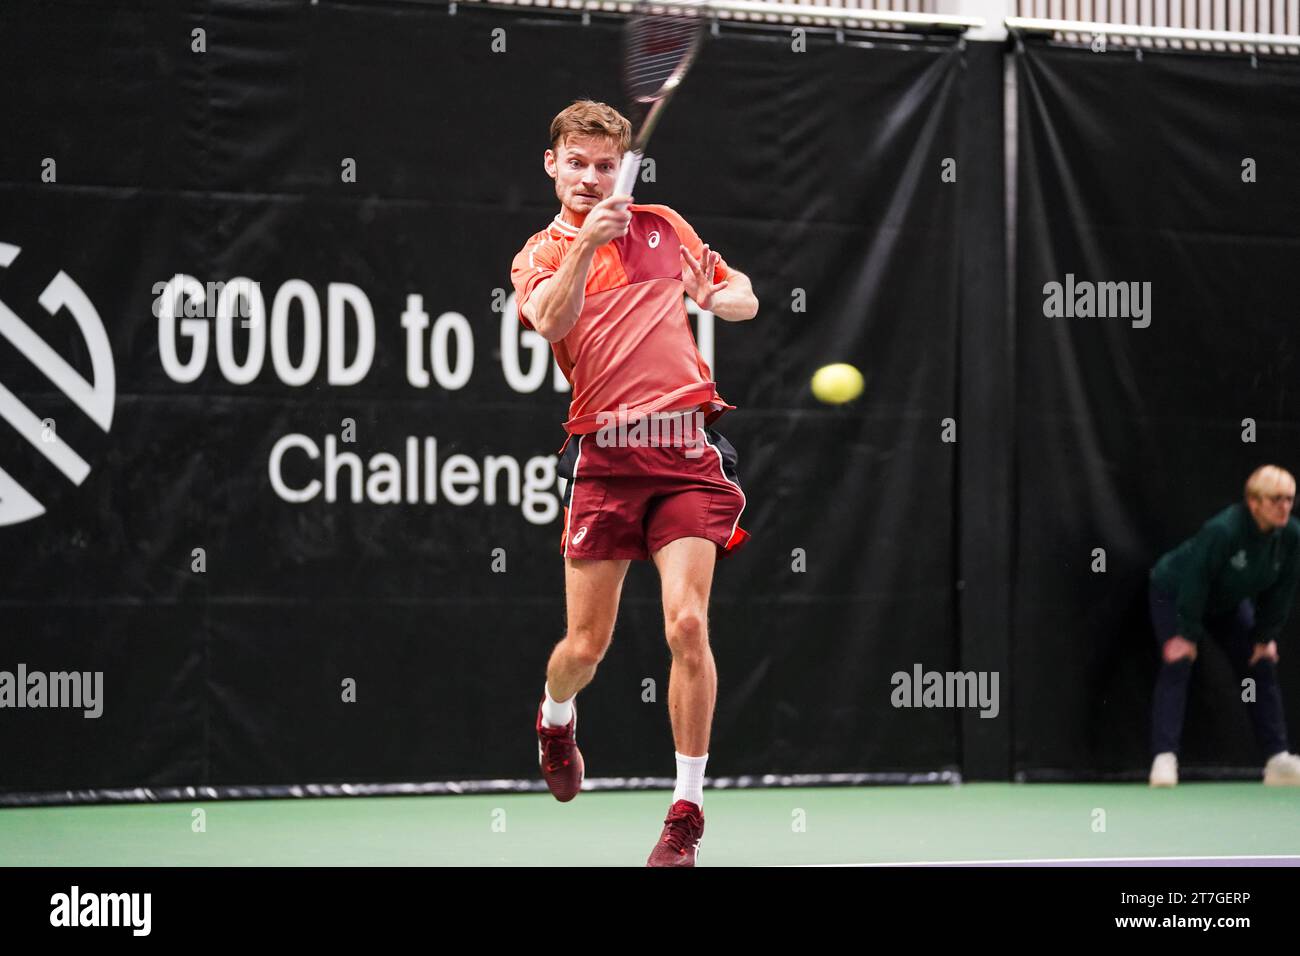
x=306, y=528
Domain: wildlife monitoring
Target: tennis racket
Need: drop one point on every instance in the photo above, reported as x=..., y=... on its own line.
x=659, y=46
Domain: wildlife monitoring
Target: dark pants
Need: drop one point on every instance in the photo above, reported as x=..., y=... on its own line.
x=1232, y=631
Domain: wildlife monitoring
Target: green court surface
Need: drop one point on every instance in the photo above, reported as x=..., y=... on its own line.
x=974, y=822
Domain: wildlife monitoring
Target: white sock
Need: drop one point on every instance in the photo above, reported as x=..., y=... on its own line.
x=556, y=713
x=690, y=779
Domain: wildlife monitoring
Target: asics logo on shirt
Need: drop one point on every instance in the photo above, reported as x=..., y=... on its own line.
x=654, y=239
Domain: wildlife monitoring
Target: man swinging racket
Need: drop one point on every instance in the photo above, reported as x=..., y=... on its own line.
x=603, y=283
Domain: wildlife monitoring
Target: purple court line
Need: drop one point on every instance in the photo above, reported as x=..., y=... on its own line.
x=1122, y=861
x=1154, y=861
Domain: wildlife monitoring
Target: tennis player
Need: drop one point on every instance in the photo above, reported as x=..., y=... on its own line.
x=1234, y=580
x=646, y=478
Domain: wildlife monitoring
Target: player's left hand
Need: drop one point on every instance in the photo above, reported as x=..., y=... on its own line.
x=1264, y=652
x=697, y=276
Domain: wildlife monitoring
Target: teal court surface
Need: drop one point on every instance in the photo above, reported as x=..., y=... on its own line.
x=1224, y=823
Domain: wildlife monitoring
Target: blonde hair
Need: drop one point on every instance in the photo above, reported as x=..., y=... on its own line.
x=1269, y=480
x=589, y=118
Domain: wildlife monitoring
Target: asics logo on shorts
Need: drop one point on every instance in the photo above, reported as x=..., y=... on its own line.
x=582, y=533
x=654, y=239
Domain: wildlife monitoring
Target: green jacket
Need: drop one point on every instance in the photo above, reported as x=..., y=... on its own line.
x=1227, y=561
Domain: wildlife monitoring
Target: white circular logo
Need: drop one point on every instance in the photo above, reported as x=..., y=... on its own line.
x=95, y=398
x=654, y=239
x=582, y=533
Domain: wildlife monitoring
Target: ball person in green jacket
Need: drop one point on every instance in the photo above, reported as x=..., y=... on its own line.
x=1235, y=581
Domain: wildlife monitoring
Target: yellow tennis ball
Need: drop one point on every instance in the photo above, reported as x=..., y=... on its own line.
x=837, y=384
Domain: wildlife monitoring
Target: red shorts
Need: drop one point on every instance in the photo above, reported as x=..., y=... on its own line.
x=628, y=502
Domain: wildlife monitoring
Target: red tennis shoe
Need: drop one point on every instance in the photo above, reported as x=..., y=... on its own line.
x=559, y=758
x=680, y=842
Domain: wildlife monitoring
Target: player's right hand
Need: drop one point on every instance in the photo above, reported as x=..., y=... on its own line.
x=608, y=219
x=1178, y=647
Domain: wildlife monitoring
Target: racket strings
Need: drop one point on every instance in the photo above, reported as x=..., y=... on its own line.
x=658, y=48
x=661, y=65
x=645, y=74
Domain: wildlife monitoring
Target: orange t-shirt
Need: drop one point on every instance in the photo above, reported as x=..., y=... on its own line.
x=632, y=344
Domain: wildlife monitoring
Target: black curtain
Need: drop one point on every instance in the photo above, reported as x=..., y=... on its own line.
x=818, y=173
x=1175, y=171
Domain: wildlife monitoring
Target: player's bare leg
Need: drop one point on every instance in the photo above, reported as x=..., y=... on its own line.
x=686, y=573
x=592, y=590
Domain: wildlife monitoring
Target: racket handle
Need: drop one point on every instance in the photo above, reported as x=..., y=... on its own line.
x=627, y=173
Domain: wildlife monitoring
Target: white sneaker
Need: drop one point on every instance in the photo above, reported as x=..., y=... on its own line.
x=1282, y=770
x=1164, y=770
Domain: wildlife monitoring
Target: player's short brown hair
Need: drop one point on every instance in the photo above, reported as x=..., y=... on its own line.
x=589, y=118
x=1269, y=480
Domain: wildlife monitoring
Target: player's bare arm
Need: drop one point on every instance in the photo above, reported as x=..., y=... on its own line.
x=737, y=302
x=555, y=306
x=732, y=299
